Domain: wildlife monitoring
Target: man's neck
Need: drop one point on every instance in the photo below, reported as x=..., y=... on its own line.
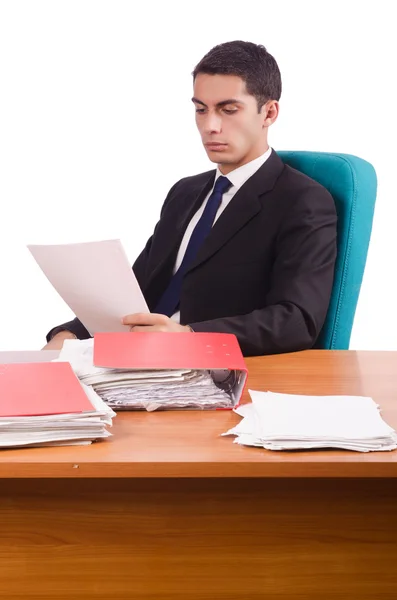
x=229, y=167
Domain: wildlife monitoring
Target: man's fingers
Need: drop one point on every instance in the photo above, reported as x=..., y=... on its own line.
x=144, y=319
x=146, y=328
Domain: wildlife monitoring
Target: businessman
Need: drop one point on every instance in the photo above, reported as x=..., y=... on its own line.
x=248, y=248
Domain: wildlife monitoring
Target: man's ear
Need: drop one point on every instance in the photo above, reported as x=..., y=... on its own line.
x=270, y=112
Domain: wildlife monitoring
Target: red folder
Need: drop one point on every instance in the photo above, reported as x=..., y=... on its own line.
x=35, y=389
x=160, y=350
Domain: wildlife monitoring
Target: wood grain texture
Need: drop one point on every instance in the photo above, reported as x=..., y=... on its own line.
x=206, y=539
x=188, y=443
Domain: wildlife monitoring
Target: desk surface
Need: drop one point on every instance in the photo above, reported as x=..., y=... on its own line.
x=188, y=443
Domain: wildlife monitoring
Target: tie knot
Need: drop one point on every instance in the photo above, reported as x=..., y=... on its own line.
x=222, y=185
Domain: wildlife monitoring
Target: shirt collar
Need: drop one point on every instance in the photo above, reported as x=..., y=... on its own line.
x=240, y=175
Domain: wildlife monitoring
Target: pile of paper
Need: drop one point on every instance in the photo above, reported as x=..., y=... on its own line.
x=130, y=389
x=289, y=422
x=46, y=405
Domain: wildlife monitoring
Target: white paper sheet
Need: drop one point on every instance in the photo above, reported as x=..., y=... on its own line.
x=95, y=279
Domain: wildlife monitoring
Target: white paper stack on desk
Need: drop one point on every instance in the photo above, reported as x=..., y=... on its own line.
x=149, y=389
x=289, y=422
x=44, y=404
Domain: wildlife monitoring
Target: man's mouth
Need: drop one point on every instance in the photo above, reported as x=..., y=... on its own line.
x=216, y=146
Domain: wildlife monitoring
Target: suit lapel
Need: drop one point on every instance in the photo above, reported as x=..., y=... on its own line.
x=176, y=227
x=195, y=199
x=243, y=207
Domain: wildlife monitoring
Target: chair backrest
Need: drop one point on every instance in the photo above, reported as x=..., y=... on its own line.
x=352, y=183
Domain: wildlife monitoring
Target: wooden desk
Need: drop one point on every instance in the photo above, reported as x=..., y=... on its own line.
x=169, y=510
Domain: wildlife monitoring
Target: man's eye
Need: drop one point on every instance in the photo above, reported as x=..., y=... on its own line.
x=230, y=111
x=200, y=110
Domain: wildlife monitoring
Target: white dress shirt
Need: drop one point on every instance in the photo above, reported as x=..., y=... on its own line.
x=237, y=178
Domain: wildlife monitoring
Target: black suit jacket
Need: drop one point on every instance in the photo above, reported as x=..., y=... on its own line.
x=265, y=271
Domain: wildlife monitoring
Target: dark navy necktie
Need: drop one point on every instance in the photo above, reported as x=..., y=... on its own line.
x=169, y=301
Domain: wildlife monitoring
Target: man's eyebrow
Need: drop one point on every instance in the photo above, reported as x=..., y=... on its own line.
x=219, y=104
x=229, y=101
x=197, y=101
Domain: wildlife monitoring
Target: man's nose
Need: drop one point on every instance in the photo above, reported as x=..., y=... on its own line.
x=213, y=123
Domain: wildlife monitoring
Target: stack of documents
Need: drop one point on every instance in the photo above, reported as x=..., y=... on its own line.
x=44, y=404
x=149, y=389
x=288, y=422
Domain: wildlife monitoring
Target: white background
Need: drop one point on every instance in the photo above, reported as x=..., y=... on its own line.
x=96, y=124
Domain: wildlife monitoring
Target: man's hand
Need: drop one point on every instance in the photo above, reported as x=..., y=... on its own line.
x=56, y=342
x=153, y=322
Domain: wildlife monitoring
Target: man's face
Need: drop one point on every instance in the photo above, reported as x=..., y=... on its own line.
x=232, y=130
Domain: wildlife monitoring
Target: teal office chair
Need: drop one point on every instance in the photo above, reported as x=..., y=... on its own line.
x=352, y=183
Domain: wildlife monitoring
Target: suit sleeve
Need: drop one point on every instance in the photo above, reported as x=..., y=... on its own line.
x=75, y=326
x=301, y=283
x=139, y=267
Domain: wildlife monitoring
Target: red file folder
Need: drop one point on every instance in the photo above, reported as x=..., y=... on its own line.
x=34, y=389
x=158, y=350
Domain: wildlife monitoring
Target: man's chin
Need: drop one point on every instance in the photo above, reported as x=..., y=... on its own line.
x=223, y=158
